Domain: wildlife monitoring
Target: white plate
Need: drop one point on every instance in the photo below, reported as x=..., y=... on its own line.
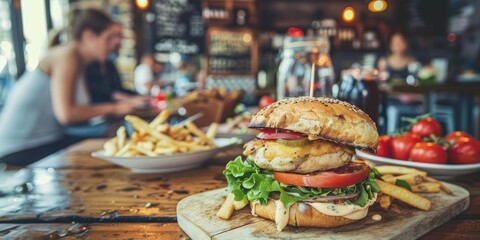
x=245, y=137
x=444, y=170
x=166, y=163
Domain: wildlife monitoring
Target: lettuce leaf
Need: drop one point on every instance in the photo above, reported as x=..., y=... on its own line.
x=247, y=180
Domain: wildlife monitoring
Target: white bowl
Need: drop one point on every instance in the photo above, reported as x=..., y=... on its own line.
x=166, y=163
x=445, y=170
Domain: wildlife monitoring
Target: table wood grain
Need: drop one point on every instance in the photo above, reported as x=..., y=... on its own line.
x=128, y=231
x=117, y=204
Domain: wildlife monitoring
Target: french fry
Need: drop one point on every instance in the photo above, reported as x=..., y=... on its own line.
x=384, y=201
x=137, y=123
x=397, y=170
x=130, y=153
x=188, y=138
x=442, y=186
x=111, y=146
x=411, y=178
x=387, y=176
x=212, y=130
x=226, y=210
x=122, y=136
x=426, y=187
x=147, y=145
x=145, y=151
x=124, y=149
x=141, y=125
x=183, y=149
x=240, y=204
x=197, y=132
x=135, y=137
x=404, y=195
x=168, y=150
x=160, y=118
x=163, y=128
x=445, y=189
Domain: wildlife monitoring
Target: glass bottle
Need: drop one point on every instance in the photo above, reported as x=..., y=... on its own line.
x=295, y=69
x=365, y=94
x=346, y=85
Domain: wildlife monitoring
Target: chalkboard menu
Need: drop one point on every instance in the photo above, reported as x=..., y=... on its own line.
x=178, y=26
x=231, y=51
x=427, y=16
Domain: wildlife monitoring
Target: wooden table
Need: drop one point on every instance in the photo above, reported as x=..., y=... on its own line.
x=73, y=195
x=468, y=93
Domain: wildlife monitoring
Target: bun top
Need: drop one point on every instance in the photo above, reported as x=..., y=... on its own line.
x=322, y=118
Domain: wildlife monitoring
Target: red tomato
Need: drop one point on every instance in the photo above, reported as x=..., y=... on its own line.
x=428, y=152
x=426, y=127
x=265, y=101
x=273, y=134
x=452, y=137
x=402, y=145
x=347, y=175
x=465, y=151
x=384, y=148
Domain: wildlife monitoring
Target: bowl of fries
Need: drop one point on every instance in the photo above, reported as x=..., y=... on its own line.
x=442, y=170
x=158, y=147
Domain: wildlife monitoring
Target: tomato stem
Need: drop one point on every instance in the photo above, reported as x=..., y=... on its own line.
x=411, y=122
x=438, y=141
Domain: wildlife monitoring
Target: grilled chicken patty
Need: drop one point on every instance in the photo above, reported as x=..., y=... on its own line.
x=315, y=156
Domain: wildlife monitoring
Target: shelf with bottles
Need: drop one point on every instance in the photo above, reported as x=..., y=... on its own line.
x=230, y=12
x=353, y=37
x=231, y=51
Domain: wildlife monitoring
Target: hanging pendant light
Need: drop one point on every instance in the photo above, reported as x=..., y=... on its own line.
x=348, y=14
x=377, y=5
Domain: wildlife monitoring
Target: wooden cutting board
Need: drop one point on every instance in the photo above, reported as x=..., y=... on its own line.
x=196, y=216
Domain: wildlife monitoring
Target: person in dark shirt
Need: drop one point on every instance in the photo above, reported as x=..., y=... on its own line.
x=104, y=81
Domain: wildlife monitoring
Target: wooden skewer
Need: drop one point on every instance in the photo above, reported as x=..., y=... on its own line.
x=312, y=79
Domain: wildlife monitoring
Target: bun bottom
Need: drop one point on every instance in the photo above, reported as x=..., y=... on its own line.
x=306, y=217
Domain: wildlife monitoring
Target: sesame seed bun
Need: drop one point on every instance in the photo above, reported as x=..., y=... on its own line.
x=322, y=118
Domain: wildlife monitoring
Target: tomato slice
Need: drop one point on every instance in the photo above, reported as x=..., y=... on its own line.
x=347, y=175
x=273, y=134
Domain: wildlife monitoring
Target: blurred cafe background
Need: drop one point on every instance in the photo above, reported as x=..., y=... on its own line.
x=392, y=58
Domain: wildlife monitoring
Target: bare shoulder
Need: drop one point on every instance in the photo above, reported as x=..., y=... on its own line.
x=61, y=63
x=61, y=57
x=62, y=52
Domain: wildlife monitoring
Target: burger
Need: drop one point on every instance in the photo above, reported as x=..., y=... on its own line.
x=299, y=170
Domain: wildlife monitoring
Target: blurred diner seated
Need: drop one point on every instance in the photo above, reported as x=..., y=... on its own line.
x=105, y=85
x=146, y=74
x=396, y=68
x=185, y=75
x=55, y=94
x=104, y=81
